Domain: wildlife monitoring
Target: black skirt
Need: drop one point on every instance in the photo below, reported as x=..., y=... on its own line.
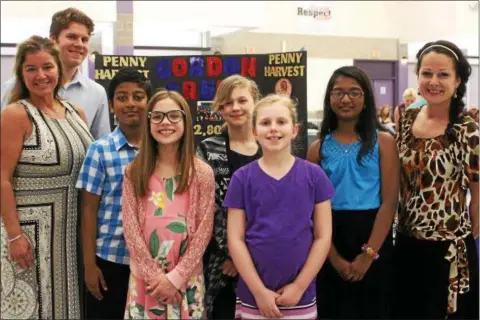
x=370, y=298
x=421, y=286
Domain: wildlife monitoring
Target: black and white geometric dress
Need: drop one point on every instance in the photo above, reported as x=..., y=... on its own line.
x=48, y=207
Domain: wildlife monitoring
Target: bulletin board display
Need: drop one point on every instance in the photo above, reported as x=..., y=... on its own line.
x=198, y=77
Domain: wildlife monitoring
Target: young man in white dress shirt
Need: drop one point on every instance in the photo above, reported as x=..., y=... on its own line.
x=71, y=30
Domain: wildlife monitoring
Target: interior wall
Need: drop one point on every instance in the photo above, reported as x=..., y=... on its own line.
x=143, y=30
x=97, y=10
x=199, y=14
x=156, y=53
x=473, y=85
x=404, y=20
x=318, y=73
x=17, y=30
x=348, y=18
x=433, y=20
x=412, y=76
x=7, y=64
x=328, y=47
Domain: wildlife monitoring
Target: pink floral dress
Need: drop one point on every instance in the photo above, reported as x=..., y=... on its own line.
x=165, y=233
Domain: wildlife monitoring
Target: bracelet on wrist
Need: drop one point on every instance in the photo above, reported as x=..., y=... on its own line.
x=368, y=250
x=14, y=238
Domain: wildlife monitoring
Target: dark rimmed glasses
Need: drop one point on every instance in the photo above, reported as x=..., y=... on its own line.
x=173, y=116
x=353, y=94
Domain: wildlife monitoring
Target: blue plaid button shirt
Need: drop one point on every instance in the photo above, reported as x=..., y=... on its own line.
x=102, y=174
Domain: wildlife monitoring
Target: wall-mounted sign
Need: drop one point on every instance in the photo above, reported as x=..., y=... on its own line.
x=318, y=13
x=314, y=17
x=198, y=77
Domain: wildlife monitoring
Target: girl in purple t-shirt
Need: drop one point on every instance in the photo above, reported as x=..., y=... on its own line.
x=279, y=220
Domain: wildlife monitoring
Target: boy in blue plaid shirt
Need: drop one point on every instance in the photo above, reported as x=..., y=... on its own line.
x=105, y=253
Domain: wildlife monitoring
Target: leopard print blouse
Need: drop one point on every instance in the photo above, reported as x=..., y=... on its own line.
x=434, y=178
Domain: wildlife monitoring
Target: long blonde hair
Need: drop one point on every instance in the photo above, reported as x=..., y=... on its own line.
x=380, y=113
x=32, y=45
x=143, y=166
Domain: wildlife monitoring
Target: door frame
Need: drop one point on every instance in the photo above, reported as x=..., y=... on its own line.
x=395, y=78
x=394, y=94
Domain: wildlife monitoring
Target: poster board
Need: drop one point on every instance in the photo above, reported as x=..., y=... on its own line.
x=198, y=77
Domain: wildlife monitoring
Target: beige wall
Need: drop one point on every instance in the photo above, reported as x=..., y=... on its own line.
x=409, y=21
x=324, y=55
x=328, y=47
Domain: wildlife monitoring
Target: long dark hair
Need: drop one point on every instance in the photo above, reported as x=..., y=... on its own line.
x=367, y=123
x=462, y=70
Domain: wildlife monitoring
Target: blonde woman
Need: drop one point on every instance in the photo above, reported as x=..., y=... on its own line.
x=385, y=118
x=44, y=141
x=409, y=97
x=234, y=148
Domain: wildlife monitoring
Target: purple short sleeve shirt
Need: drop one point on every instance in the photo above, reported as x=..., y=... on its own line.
x=279, y=221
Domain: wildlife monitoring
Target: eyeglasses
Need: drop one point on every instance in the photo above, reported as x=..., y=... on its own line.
x=173, y=116
x=353, y=94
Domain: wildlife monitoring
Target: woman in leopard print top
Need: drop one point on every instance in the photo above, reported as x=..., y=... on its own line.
x=438, y=147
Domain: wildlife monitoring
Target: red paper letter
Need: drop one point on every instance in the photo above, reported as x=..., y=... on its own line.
x=190, y=90
x=214, y=66
x=249, y=65
x=179, y=67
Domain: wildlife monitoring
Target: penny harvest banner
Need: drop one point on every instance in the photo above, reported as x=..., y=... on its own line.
x=198, y=77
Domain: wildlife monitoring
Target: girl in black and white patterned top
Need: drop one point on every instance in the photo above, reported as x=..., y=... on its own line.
x=235, y=147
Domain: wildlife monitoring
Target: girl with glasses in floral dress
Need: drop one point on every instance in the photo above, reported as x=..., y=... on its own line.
x=168, y=204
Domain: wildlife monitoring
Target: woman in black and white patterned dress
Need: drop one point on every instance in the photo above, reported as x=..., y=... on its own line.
x=44, y=141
